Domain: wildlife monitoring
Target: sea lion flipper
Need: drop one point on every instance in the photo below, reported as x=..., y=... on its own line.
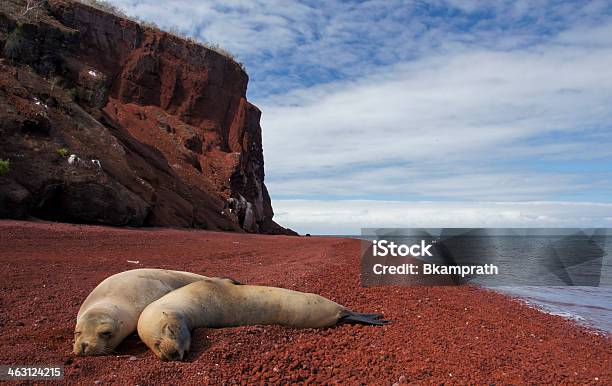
x=234, y=281
x=351, y=317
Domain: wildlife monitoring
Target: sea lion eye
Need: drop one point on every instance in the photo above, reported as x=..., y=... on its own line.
x=77, y=333
x=171, y=331
x=105, y=334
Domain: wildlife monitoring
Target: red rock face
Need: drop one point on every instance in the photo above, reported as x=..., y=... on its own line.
x=181, y=105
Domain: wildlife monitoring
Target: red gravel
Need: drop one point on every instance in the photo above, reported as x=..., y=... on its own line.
x=438, y=334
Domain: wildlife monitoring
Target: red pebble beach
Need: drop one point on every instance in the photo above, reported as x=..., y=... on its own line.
x=437, y=335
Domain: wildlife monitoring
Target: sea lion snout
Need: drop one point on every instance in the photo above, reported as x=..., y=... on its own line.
x=83, y=348
x=171, y=348
x=173, y=355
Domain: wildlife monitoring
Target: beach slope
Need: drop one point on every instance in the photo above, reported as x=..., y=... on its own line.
x=438, y=334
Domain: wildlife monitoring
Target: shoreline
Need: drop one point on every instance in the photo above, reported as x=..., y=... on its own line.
x=438, y=334
x=545, y=305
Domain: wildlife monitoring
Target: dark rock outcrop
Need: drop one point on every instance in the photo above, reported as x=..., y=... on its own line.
x=106, y=121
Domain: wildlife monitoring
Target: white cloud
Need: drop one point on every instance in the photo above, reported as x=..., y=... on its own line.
x=347, y=217
x=443, y=106
x=459, y=125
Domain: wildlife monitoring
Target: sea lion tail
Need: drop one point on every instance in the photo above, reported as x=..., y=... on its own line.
x=351, y=317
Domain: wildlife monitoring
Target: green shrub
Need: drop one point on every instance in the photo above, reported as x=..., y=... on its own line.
x=5, y=167
x=73, y=94
x=62, y=152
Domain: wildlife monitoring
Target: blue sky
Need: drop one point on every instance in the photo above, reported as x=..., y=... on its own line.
x=422, y=113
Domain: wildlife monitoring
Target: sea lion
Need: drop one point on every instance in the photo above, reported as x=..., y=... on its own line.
x=111, y=311
x=165, y=325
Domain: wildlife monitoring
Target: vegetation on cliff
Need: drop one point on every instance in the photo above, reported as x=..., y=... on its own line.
x=112, y=9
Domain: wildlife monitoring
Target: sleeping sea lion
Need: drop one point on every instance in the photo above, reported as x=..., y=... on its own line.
x=165, y=325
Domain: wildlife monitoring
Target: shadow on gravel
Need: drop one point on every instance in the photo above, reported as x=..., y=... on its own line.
x=199, y=344
x=132, y=345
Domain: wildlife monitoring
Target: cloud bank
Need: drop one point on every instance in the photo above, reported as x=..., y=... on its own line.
x=347, y=217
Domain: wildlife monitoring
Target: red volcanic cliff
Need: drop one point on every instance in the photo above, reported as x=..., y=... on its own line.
x=106, y=121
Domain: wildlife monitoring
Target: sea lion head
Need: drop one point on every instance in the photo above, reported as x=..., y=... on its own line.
x=169, y=337
x=97, y=333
